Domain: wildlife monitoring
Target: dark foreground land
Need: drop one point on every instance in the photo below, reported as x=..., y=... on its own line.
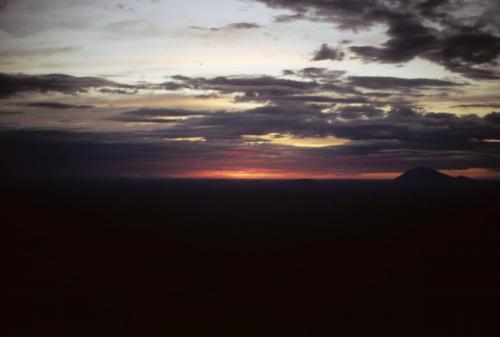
x=235, y=258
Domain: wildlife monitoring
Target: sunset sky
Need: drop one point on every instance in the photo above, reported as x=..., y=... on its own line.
x=249, y=89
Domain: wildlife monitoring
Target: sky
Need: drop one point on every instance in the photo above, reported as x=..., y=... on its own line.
x=279, y=89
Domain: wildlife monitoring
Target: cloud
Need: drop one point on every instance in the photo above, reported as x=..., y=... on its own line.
x=384, y=82
x=312, y=84
x=402, y=123
x=13, y=84
x=147, y=115
x=250, y=88
x=429, y=130
x=494, y=118
x=379, y=142
x=117, y=91
x=462, y=36
x=288, y=18
x=55, y=153
x=477, y=105
x=243, y=25
x=310, y=105
x=231, y=26
x=9, y=112
x=465, y=52
x=3, y=4
x=231, y=84
x=55, y=105
x=246, y=88
x=326, y=52
x=315, y=72
x=251, y=81
x=354, y=112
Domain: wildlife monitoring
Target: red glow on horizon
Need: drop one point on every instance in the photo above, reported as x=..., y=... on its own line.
x=248, y=174
x=272, y=174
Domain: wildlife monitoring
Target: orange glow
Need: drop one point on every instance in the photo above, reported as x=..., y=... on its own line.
x=260, y=173
x=254, y=174
x=277, y=174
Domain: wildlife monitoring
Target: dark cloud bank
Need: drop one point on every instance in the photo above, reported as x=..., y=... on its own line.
x=378, y=140
x=11, y=84
x=381, y=132
x=15, y=84
x=302, y=85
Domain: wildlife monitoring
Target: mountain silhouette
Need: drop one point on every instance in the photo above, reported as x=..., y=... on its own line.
x=423, y=174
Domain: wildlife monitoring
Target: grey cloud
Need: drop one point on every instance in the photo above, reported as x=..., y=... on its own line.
x=402, y=123
x=299, y=119
x=231, y=26
x=155, y=115
x=3, y=4
x=313, y=84
x=289, y=18
x=381, y=82
x=353, y=111
x=477, y=105
x=326, y=52
x=316, y=73
x=9, y=112
x=117, y=91
x=462, y=36
x=256, y=88
x=384, y=142
x=56, y=153
x=493, y=117
x=243, y=25
x=12, y=84
x=55, y=105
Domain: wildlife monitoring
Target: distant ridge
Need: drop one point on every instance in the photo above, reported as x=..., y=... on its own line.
x=424, y=174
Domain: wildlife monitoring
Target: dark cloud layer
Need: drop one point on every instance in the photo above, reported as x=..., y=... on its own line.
x=355, y=112
x=253, y=88
x=12, y=84
x=55, y=105
x=380, y=141
x=462, y=36
x=229, y=84
x=381, y=82
x=308, y=84
x=313, y=84
x=379, y=132
x=478, y=105
x=358, y=122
